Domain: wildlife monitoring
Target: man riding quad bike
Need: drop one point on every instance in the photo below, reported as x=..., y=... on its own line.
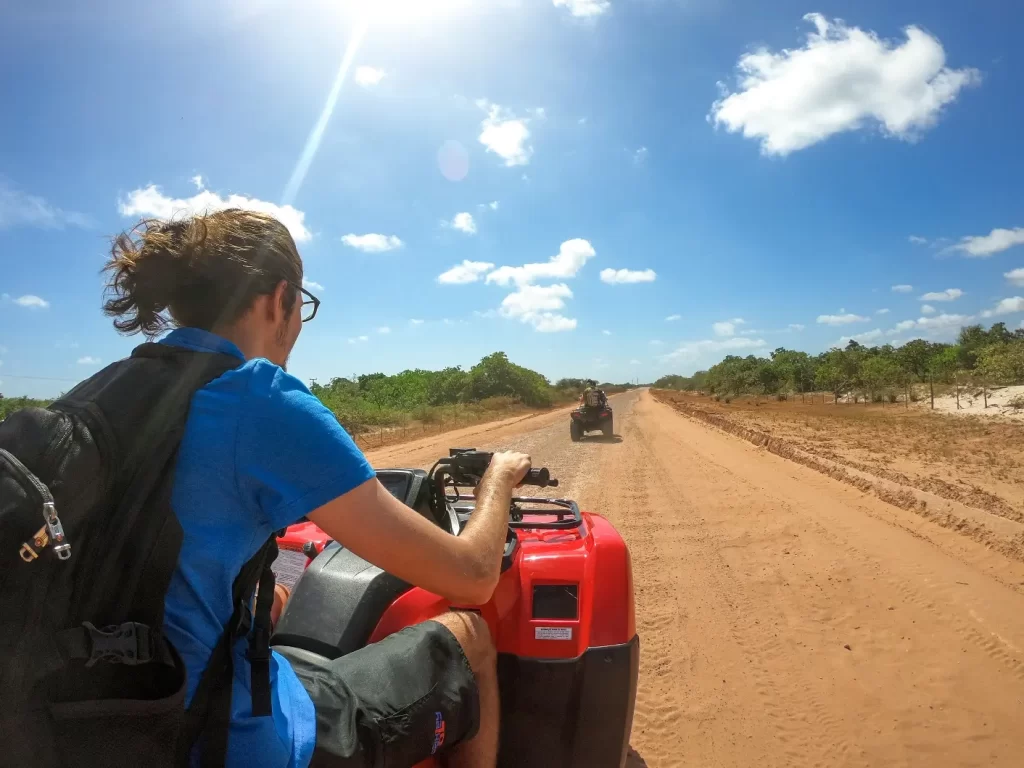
x=593, y=413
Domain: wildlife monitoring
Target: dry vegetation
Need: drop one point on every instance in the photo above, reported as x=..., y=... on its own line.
x=965, y=470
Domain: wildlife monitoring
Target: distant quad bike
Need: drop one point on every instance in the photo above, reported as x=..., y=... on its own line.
x=589, y=418
x=565, y=629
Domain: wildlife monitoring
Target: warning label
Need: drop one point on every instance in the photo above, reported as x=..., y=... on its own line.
x=552, y=633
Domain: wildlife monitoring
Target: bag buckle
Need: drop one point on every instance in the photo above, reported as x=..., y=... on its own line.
x=127, y=643
x=259, y=645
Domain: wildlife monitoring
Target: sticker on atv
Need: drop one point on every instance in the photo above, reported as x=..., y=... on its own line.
x=288, y=566
x=552, y=633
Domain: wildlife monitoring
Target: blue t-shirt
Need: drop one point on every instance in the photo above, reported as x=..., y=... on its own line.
x=259, y=452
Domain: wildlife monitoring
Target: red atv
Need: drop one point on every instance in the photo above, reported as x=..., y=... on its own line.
x=562, y=615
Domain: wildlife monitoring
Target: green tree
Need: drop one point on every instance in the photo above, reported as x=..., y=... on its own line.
x=878, y=372
x=1003, y=363
x=831, y=373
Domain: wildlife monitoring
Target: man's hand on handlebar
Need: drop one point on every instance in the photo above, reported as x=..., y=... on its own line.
x=507, y=468
x=375, y=525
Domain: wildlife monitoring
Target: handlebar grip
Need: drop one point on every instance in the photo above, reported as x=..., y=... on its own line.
x=540, y=477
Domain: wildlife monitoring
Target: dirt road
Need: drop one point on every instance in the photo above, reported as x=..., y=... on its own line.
x=786, y=619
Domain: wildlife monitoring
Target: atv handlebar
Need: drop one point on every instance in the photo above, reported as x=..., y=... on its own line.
x=466, y=466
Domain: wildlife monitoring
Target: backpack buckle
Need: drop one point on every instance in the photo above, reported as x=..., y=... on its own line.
x=127, y=643
x=259, y=645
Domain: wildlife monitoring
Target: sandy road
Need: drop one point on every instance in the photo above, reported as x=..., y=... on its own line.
x=786, y=619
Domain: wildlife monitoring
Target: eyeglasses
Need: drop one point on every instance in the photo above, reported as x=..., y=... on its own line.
x=309, y=306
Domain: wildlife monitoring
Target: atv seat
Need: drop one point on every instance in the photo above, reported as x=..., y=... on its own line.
x=336, y=605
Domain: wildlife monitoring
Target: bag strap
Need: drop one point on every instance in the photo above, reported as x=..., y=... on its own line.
x=209, y=713
x=259, y=641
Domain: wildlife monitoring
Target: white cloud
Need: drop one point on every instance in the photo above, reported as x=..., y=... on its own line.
x=311, y=285
x=1006, y=307
x=530, y=300
x=796, y=326
x=466, y=272
x=927, y=309
x=571, y=257
x=862, y=338
x=943, y=321
x=655, y=342
x=672, y=318
x=606, y=333
x=505, y=134
x=845, y=319
x=537, y=305
x=88, y=360
x=937, y=323
x=983, y=246
x=1015, y=276
x=620, y=276
x=640, y=156
x=882, y=312
x=950, y=294
x=367, y=77
x=464, y=223
x=415, y=321
x=695, y=350
x=727, y=327
x=584, y=9
x=28, y=300
x=843, y=79
x=493, y=205
x=384, y=330
x=358, y=339
x=150, y=201
x=197, y=181
x=917, y=240
x=372, y=243
x=18, y=209
x=902, y=288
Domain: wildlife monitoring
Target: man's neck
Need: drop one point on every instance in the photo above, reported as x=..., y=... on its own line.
x=250, y=345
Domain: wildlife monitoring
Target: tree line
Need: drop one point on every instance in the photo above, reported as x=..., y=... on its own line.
x=982, y=357
x=378, y=399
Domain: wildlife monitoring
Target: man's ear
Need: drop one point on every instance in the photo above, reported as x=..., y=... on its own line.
x=276, y=311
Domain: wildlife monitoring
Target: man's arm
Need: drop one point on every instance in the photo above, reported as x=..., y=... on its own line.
x=464, y=569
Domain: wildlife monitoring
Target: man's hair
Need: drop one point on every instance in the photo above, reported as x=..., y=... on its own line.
x=205, y=270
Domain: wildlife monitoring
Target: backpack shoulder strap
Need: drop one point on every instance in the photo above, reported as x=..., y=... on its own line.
x=208, y=717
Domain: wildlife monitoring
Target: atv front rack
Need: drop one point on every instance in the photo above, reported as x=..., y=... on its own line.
x=567, y=512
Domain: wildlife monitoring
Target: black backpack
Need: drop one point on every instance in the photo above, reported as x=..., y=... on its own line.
x=88, y=544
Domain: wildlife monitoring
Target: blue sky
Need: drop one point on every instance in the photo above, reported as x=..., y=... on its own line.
x=762, y=173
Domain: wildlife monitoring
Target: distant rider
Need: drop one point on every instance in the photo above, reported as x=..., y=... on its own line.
x=586, y=397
